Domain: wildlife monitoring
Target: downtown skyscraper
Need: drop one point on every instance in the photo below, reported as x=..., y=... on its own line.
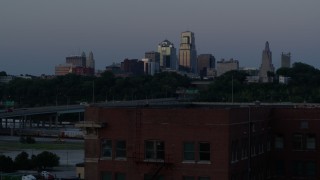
x=266, y=65
x=168, y=56
x=285, y=60
x=188, y=52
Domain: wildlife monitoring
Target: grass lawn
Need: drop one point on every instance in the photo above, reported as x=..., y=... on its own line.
x=6, y=146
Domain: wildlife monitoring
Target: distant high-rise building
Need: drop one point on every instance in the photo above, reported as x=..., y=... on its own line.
x=90, y=61
x=225, y=66
x=115, y=68
x=187, y=52
x=152, y=56
x=285, y=60
x=77, y=60
x=63, y=69
x=80, y=65
x=150, y=67
x=132, y=67
x=266, y=65
x=205, y=62
x=168, y=55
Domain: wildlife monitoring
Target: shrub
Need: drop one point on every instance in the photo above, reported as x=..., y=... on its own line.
x=45, y=159
x=22, y=161
x=27, y=139
x=6, y=164
x=30, y=140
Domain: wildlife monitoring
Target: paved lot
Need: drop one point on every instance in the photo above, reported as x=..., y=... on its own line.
x=68, y=158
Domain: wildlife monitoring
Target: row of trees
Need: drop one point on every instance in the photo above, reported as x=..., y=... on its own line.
x=303, y=86
x=23, y=162
x=72, y=89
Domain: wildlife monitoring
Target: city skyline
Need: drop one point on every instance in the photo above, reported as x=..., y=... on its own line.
x=37, y=35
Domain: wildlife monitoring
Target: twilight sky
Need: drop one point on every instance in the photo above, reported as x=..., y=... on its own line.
x=36, y=35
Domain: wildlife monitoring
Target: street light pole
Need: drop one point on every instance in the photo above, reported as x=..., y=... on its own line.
x=249, y=142
x=232, y=90
x=92, y=92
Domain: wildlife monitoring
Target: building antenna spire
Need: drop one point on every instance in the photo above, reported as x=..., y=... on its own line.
x=267, y=46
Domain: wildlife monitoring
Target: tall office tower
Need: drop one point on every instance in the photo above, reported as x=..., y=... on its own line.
x=90, y=61
x=168, y=55
x=285, y=60
x=204, y=63
x=266, y=65
x=152, y=56
x=187, y=52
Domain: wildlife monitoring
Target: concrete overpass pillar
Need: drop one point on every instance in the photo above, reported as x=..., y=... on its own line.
x=22, y=122
x=50, y=122
x=30, y=122
x=56, y=120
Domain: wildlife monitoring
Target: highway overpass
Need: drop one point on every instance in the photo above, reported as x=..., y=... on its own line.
x=54, y=110
x=36, y=118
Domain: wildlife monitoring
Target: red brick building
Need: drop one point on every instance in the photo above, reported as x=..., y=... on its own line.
x=201, y=141
x=182, y=141
x=296, y=135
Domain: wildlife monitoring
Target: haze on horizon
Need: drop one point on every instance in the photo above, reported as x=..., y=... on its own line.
x=35, y=35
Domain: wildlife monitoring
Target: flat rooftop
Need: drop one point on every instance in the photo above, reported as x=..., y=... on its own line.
x=172, y=102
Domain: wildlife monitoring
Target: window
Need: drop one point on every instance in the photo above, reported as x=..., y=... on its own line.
x=304, y=124
x=244, y=148
x=150, y=177
x=253, y=146
x=278, y=142
x=121, y=149
x=188, y=151
x=106, y=176
x=304, y=168
x=297, y=168
x=234, y=177
x=204, y=178
x=297, y=142
x=311, y=169
x=280, y=167
x=106, y=148
x=261, y=144
x=304, y=141
x=188, y=178
x=120, y=176
x=234, y=151
x=253, y=128
x=204, y=151
x=311, y=142
x=268, y=144
x=154, y=149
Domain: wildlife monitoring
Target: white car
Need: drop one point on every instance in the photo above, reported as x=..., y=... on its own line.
x=28, y=177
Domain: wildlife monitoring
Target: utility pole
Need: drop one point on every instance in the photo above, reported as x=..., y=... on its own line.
x=232, y=89
x=249, y=142
x=92, y=92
